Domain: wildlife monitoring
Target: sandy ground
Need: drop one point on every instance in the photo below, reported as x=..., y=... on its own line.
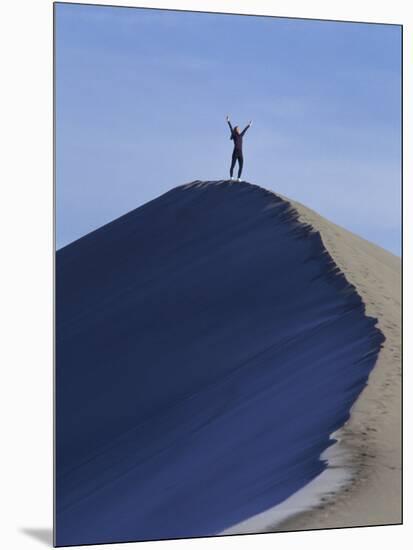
x=372, y=436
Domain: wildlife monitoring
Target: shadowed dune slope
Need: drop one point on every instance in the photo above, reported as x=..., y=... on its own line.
x=207, y=347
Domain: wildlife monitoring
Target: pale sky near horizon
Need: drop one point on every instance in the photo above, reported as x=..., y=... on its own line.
x=142, y=95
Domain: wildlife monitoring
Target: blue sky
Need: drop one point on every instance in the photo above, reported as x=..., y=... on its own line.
x=142, y=95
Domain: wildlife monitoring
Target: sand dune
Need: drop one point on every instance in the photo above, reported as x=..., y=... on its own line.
x=373, y=432
x=208, y=345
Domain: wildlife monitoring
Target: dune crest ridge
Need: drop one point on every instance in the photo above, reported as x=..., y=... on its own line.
x=372, y=437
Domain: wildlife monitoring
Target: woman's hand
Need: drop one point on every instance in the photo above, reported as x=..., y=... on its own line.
x=249, y=123
x=227, y=118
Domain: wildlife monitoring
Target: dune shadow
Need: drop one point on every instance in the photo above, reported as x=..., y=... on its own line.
x=44, y=535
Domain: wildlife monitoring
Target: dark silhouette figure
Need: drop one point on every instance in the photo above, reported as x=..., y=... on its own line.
x=237, y=136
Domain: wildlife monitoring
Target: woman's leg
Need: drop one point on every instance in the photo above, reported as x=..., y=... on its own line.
x=233, y=161
x=240, y=164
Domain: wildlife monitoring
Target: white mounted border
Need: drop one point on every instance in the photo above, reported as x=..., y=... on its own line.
x=26, y=228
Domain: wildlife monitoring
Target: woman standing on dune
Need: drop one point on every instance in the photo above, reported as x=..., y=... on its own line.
x=237, y=136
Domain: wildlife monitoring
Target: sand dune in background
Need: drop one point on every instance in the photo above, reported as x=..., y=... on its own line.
x=208, y=345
